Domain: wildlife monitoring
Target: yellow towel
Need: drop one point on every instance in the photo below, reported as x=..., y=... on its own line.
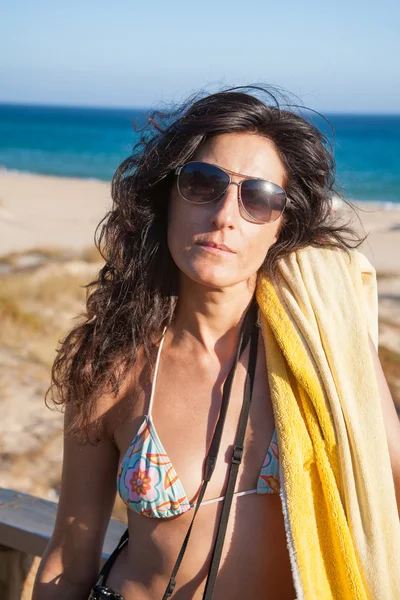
x=337, y=488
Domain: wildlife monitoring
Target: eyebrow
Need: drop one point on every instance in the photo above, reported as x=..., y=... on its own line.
x=231, y=172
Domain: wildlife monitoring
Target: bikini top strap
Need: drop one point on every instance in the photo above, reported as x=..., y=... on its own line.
x=153, y=385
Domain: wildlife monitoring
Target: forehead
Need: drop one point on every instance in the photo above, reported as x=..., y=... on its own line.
x=249, y=154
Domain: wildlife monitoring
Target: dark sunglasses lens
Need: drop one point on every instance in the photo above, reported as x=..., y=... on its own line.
x=201, y=182
x=263, y=200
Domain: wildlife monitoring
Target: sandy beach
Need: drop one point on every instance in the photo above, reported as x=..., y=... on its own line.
x=43, y=211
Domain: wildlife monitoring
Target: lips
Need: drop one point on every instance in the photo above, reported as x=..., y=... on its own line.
x=211, y=244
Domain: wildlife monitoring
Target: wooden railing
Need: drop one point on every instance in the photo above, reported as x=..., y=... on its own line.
x=26, y=525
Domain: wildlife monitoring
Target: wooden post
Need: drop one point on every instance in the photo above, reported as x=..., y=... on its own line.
x=26, y=525
x=15, y=567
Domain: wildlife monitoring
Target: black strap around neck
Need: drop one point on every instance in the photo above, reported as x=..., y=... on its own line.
x=247, y=329
x=235, y=462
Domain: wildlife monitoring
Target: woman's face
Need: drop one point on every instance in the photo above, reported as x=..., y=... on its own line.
x=190, y=225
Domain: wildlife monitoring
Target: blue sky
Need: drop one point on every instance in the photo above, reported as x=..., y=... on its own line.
x=340, y=56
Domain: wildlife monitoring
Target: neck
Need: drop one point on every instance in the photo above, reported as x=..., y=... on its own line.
x=211, y=317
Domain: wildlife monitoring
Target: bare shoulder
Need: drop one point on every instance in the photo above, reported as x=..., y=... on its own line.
x=129, y=403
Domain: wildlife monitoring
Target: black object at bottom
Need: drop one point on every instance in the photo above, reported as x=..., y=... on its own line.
x=100, y=591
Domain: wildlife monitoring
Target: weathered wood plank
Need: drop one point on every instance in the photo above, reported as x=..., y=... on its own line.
x=27, y=522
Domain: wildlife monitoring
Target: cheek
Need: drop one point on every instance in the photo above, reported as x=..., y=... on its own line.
x=181, y=226
x=174, y=216
x=258, y=244
x=173, y=227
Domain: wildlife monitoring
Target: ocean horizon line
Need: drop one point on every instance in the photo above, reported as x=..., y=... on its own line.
x=116, y=108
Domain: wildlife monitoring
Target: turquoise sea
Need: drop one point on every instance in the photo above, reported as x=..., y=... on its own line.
x=91, y=142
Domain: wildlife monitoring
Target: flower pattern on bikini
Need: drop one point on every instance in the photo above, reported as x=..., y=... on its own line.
x=142, y=481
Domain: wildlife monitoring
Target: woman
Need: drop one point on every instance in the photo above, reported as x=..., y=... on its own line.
x=222, y=190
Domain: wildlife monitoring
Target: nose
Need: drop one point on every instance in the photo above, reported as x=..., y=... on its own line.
x=226, y=209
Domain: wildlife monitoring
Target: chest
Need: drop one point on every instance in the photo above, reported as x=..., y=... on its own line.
x=185, y=408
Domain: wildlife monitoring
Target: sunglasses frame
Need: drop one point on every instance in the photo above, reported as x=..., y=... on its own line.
x=239, y=186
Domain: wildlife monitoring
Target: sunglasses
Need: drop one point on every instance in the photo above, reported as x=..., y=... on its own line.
x=260, y=201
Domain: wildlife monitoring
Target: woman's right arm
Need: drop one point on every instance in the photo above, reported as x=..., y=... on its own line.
x=71, y=561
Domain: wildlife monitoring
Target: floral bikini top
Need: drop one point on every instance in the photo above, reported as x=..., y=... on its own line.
x=148, y=483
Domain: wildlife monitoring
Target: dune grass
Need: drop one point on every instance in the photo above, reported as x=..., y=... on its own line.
x=389, y=323
x=390, y=360
x=11, y=310
x=386, y=275
x=45, y=254
x=39, y=304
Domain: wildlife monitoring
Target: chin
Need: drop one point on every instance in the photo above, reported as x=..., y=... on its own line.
x=212, y=276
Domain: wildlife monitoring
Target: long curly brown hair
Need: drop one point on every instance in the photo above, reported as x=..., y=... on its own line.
x=135, y=293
